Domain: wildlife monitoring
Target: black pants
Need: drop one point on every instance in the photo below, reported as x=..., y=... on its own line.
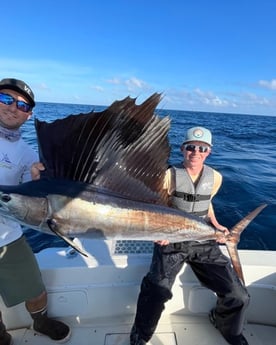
x=214, y=271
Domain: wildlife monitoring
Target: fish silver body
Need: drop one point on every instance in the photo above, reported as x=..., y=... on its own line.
x=103, y=178
x=99, y=214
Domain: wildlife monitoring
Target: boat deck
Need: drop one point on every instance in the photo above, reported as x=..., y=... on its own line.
x=97, y=297
x=174, y=331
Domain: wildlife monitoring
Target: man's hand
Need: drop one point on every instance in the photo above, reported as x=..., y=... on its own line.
x=222, y=239
x=162, y=242
x=36, y=169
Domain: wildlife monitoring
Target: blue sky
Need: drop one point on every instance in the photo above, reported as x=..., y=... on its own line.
x=213, y=55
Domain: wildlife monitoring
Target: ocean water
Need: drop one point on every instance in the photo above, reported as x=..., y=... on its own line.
x=244, y=151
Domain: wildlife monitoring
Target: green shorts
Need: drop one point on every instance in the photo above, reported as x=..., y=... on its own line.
x=20, y=276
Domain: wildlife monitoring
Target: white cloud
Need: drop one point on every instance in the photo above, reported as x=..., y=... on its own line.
x=42, y=68
x=268, y=84
x=132, y=84
x=209, y=98
x=59, y=81
x=42, y=86
x=97, y=88
x=114, y=81
x=135, y=82
x=238, y=102
x=253, y=99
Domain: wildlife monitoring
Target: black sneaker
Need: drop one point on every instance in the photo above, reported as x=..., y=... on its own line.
x=237, y=340
x=56, y=330
x=135, y=338
x=233, y=340
x=212, y=318
x=6, y=339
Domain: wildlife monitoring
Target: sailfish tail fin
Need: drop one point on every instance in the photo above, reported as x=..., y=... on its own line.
x=234, y=237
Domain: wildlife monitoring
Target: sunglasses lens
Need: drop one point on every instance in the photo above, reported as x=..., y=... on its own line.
x=203, y=149
x=6, y=99
x=25, y=107
x=192, y=148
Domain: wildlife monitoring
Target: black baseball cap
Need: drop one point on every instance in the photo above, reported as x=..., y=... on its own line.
x=19, y=86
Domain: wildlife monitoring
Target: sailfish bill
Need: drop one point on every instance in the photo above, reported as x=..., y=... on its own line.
x=104, y=179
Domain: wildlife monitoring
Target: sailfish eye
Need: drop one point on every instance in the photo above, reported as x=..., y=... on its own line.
x=6, y=198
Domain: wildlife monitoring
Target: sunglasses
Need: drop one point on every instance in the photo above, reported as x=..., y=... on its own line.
x=192, y=148
x=20, y=105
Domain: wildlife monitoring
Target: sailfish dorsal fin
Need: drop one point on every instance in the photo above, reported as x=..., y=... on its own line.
x=123, y=149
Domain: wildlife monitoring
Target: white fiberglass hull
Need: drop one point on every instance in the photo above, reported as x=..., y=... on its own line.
x=97, y=297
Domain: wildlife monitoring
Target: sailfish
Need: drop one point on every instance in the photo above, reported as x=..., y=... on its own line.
x=103, y=178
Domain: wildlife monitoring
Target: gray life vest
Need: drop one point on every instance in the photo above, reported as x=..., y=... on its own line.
x=194, y=199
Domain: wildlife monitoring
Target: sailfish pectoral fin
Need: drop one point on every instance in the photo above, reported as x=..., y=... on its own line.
x=234, y=238
x=53, y=227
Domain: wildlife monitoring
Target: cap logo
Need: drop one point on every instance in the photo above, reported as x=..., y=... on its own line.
x=27, y=90
x=198, y=133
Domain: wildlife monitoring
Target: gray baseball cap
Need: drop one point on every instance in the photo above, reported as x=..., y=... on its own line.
x=198, y=134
